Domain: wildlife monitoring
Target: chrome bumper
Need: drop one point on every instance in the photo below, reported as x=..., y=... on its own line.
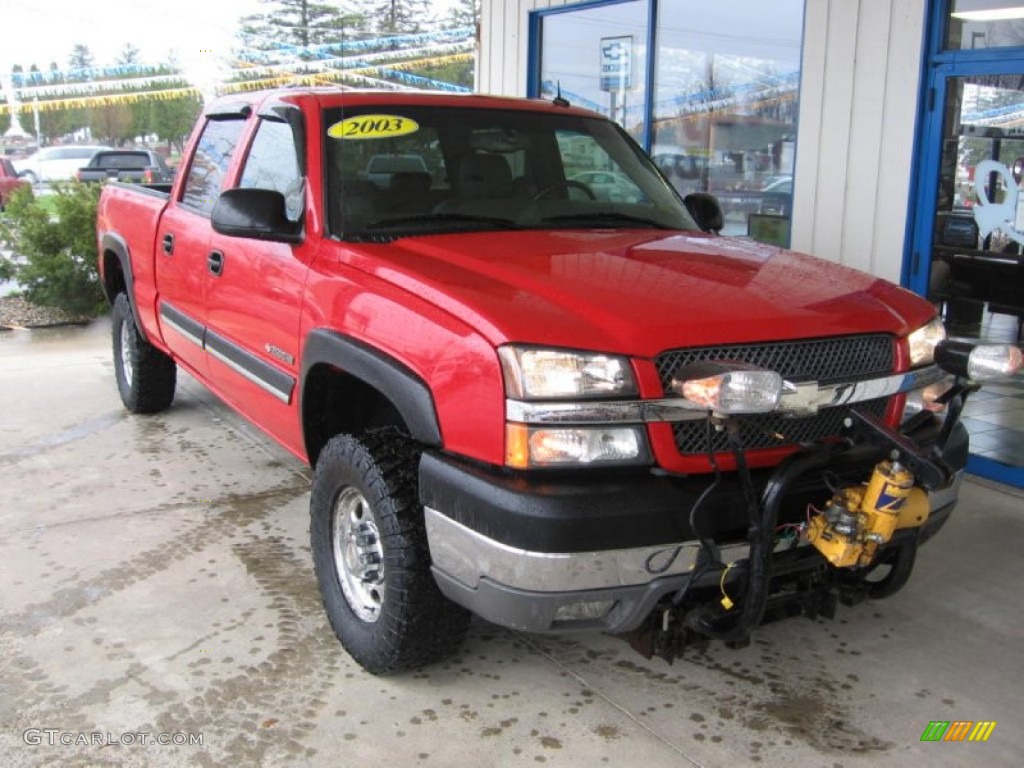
x=541, y=591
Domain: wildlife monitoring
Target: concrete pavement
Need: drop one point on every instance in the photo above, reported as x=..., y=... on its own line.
x=156, y=579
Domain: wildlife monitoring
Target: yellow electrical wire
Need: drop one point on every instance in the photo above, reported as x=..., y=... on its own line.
x=726, y=601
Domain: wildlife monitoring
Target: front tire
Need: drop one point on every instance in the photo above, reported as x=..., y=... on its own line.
x=371, y=555
x=146, y=377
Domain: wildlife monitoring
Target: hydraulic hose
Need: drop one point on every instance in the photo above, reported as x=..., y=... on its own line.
x=764, y=514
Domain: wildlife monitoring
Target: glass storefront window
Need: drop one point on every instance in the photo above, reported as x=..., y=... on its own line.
x=598, y=58
x=727, y=78
x=979, y=225
x=724, y=107
x=985, y=24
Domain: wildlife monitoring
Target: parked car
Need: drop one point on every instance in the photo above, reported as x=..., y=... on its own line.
x=610, y=185
x=134, y=165
x=381, y=168
x=687, y=173
x=777, y=196
x=55, y=163
x=9, y=181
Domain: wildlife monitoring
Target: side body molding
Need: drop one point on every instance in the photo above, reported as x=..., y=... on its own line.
x=116, y=245
x=409, y=393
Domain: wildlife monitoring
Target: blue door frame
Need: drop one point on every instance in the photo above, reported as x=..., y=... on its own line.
x=940, y=65
x=533, y=46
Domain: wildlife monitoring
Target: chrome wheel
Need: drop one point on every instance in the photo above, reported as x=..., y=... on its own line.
x=127, y=370
x=358, y=556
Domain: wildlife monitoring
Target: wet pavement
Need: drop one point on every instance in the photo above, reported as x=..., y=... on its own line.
x=156, y=583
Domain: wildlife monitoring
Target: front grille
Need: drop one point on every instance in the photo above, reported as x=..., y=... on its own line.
x=770, y=430
x=826, y=361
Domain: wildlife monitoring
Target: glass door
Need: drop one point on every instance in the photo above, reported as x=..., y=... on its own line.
x=967, y=252
x=977, y=253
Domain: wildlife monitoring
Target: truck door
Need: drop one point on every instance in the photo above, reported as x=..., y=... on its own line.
x=183, y=268
x=254, y=300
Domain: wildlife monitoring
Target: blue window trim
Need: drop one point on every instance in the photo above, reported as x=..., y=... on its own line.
x=652, y=60
x=937, y=66
x=533, y=43
x=535, y=21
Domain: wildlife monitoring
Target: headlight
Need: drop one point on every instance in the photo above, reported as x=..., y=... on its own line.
x=923, y=341
x=728, y=387
x=550, y=374
x=530, y=447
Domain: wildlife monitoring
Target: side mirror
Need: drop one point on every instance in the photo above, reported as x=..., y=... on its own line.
x=255, y=213
x=706, y=210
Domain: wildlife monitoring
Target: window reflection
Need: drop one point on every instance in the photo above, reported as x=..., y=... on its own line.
x=597, y=57
x=985, y=24
x=727, y=78
x=210, y=163
x=273, y=164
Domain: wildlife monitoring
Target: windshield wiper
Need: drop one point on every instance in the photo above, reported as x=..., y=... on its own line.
x=606, y=218
x=441, y=218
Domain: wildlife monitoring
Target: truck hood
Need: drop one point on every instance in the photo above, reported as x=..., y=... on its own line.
x=639, y=292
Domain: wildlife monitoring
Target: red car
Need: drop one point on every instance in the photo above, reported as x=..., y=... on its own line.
x=9, y=181
x=523, y=399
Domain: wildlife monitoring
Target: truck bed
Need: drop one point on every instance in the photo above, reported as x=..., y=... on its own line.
x=136, y=209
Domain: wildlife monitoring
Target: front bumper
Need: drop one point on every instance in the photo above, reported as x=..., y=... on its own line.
x=578, y=552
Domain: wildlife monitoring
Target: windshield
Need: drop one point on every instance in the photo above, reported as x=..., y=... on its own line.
x=408, y=170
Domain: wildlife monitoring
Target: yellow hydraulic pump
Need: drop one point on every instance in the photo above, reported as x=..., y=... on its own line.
x=860, y=518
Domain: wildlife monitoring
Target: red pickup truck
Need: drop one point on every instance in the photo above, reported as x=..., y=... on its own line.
x=527, y=399
x=9, y=181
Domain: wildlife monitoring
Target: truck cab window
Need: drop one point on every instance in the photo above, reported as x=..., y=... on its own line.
x=212, y=157
x=273, y=164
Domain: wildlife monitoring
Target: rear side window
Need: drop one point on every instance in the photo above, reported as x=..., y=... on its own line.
x=133, y=160
x=273, y=164
x=212, y=157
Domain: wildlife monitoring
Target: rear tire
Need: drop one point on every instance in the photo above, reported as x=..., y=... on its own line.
x=146, y=377
x=371, y=555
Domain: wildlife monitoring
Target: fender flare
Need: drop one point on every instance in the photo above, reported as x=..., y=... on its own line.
x=117, y=245
x=401, y=385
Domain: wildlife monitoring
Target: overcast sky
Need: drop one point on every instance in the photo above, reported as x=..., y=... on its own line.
x=41, y=31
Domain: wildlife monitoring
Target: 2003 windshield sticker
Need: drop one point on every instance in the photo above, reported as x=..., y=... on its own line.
x=373, y=127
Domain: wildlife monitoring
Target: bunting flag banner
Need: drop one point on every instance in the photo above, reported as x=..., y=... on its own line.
x=40, y=77
x=392, y=41
x=103, y=100
x=321, y=76
x=28, y=94
x=437, y=61
x=366, y=60
x=379, y=62
x=424, y=82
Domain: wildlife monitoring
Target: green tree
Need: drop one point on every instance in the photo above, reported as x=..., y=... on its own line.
x=399, y=17
x=129, y=56
x=80, y=58
x=5, y=117
x=300, y=23
x=112, y=123
x=59, y=251
x=172, y=119
x=55, y=123
x=465, y=13
x=456, y=73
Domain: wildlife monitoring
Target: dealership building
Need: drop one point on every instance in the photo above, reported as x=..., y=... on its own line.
x=850, y=129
